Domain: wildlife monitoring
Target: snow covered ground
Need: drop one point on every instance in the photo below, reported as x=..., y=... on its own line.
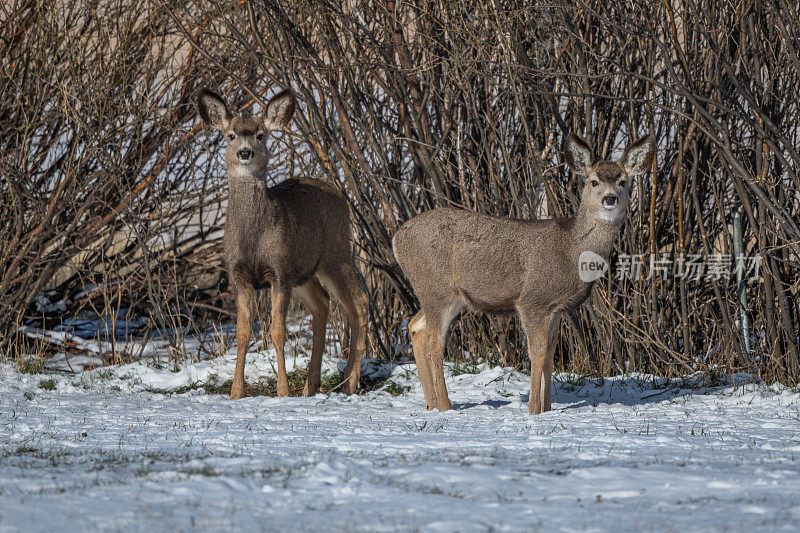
x=112, y=449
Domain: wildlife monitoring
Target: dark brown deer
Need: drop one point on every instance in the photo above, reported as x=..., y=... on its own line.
x=292, y=237
x=458, y=259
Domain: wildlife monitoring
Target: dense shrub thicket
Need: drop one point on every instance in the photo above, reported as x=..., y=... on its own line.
x=112, y=195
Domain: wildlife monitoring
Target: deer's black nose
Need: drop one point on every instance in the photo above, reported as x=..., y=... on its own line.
x=245, y=154
x=610, y=200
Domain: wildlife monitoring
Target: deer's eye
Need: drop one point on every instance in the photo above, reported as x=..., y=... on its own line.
x=231, y=136
x=622, y=183
x=595, y=183
x=259, y=136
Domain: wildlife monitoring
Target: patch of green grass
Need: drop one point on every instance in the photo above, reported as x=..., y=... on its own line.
x=395, y=389
x=330, y=382
x=103, y=374
x=30, y=364
x=267, y=386
x=467, y=367
x=47, y=384
x=171, y=365
x=382, y=384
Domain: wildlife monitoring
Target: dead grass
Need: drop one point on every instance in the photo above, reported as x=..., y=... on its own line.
x=297, y=379
x=269, y=386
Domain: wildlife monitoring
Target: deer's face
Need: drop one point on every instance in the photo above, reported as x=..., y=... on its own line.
x=247, y=147
x=606, y=191
x=246, y=136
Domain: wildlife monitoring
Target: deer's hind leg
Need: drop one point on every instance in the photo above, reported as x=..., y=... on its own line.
x=343, y=282
x=419, y=343
x=280, y=306
x=434, y=334
x=316, y=298
x=552, y=339
x=436, y=364
x=541, y=347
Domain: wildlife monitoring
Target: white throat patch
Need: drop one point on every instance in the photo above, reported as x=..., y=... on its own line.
x=609, y=215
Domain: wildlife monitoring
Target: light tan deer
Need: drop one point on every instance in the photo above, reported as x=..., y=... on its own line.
x=458, y=259
x=293, y=237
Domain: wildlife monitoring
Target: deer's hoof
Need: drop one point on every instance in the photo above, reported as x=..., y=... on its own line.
x=237, y=393
x=283, y=390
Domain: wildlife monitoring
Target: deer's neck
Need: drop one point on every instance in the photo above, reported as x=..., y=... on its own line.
x=251, y=205
x=592, y=233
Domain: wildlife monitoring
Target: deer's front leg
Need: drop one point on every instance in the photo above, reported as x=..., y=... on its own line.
x=280, y=306
x=244, y=308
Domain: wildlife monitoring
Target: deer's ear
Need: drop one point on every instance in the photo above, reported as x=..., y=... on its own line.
x=279, y=110
x=638, y=157
x=578, y=154
x=213, y=110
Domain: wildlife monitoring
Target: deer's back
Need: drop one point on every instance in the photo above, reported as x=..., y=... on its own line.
x=495, y=264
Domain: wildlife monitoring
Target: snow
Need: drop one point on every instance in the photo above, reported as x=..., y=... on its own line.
x=114, y=449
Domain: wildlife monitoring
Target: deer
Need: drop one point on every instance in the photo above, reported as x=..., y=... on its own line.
x=293, y=237
x=456, y=259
